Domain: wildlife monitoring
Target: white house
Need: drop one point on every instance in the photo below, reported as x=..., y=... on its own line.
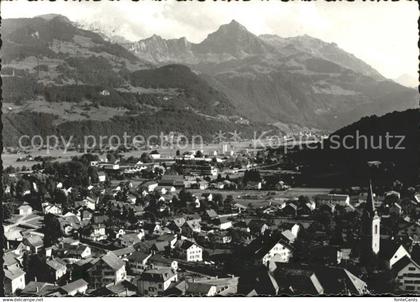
x=98, y=232
x=101, y=176
x=14, y=279
x=278, y=253
x=222, y=223
x=270, y=250
x=104, y=92
x=151, y=186
x=188, y=250
x=25, y=210
x=48, y=208
x=154, y=282
x=295, y=230
x=408, y=275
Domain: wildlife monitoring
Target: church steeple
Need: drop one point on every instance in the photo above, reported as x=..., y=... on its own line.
x=370, y=202
x=371, y=223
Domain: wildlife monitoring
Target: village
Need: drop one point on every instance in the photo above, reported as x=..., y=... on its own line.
x=201, y=223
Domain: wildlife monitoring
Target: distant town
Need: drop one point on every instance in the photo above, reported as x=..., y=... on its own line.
x=214, y=222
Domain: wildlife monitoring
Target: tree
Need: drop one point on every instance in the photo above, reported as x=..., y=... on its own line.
x=110, y=157
x=228, y=202
x=22, y=186
x=93, y=174
x=185, y=197
x=218, y=199
x=145, y=158
x=10, y=170
x=52, y=229
x=131, y=216
x=8, y=210
x=252, y=175
x=61, y=198
x=199, y=154
x=302, y=200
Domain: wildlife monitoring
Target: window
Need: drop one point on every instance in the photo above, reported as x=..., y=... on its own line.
x=376, y=229
x=411, y=268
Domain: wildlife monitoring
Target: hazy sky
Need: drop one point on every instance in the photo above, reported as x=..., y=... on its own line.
x=382, y=34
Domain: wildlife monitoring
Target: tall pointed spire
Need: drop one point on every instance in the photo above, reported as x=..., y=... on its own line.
x=370, y=202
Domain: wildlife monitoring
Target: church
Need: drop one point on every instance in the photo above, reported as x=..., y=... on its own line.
x=370, y=228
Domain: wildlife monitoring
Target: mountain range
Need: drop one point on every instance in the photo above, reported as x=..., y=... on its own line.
x=299, y=80
x=61, y=77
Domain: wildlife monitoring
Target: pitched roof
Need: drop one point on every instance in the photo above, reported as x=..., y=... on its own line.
x=38, y=288
x=211, y=213
x=339, y=280
x=221, y=220
x=9, y=259
x=288, y=235
x=121, y=287
x=132, y=237
x=138, y=256
x=307, y=284
x=13, y=273
x=259, y=247
x=160, y=246
x=266, y=284
x=192, y=224
x=415, y=253
x=159, y=259
x=388, y=248
x=184, y=244
x=157, y=275
x=74, y=285
x=113, y=261
x=56, y=265
x=25, y=207
x=124, y=251
x=198, y=288
x=76, y=249
x=35, y=240
x=402, y=263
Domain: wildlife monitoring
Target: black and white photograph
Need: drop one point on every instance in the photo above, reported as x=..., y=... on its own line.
x=209, y=148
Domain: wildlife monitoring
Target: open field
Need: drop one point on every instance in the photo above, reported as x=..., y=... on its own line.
x=10, y=159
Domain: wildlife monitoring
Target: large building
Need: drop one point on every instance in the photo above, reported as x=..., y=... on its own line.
x=197, y=167
x=106, y=270
x=407, y=273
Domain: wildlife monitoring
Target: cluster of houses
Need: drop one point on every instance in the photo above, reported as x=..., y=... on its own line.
x=136, y=242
